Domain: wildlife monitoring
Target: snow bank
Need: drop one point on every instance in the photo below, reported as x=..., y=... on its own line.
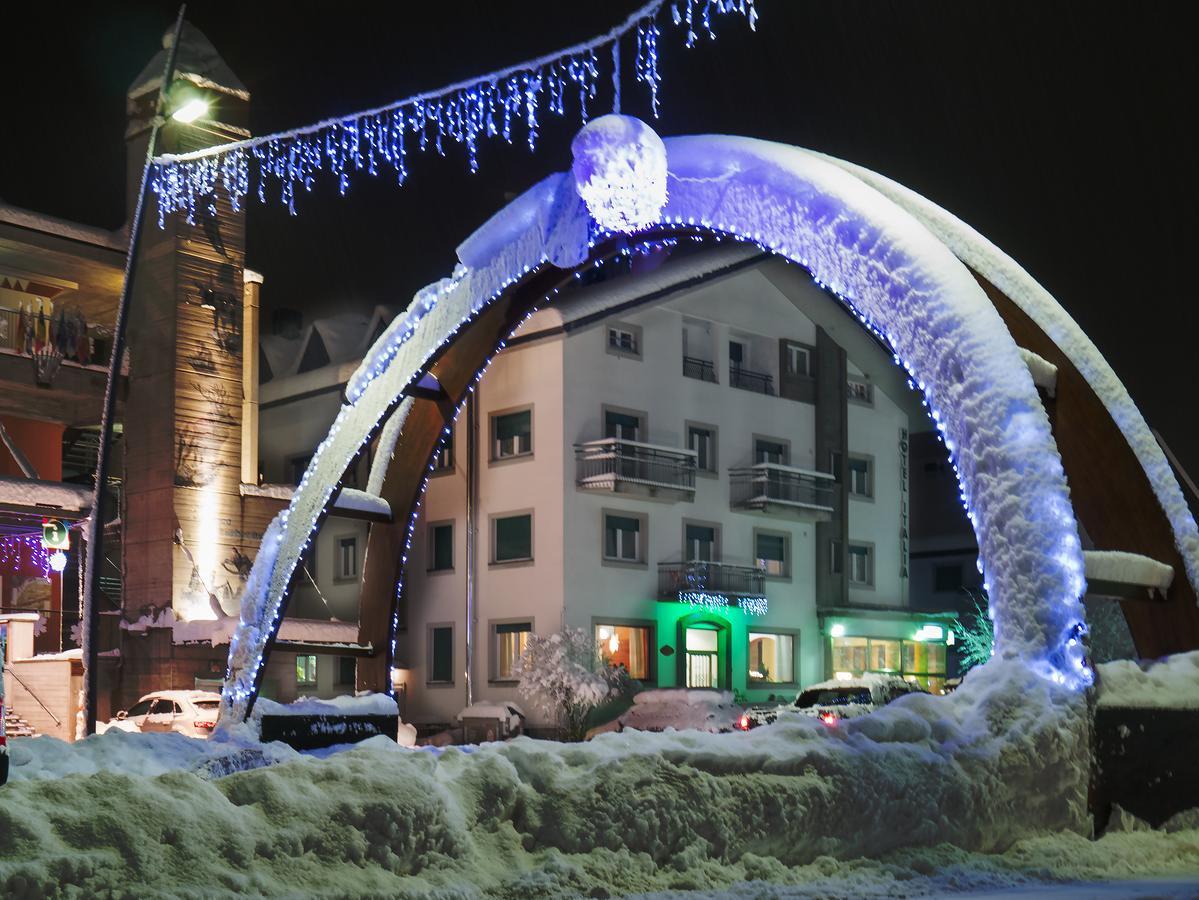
x=700, y=710
x=1001, y=759
x=1169, y=683
x=368, y=704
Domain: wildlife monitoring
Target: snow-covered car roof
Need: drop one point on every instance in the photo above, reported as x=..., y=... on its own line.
x=688, y=696
x=869, y=680
x=191, y=696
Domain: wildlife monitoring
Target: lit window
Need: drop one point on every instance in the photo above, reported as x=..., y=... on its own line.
x=512, y=434
x=702, y=440
x=305, y=671
x=441, y=654
x=441, y=539
x=861, y=477
x=770, y=553
x=771, y=658
x=511, y=640
x=625, y=645
x=513, y=537
x=861, y=564
x=347, y=558
x=622, y=538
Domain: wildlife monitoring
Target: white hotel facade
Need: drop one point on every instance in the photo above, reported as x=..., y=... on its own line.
x=701, y=461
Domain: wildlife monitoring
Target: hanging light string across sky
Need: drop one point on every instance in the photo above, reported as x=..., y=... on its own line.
x=486, y=106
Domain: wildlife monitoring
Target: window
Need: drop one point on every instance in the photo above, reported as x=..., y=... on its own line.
x=702, y=439
x=297, y=466
x=948, y=578
x=799, y=359
x=861, y=476
x=834, y=557
x=771, y=658
x=513, y=538
x=441, y=547
x=624, y=340
x=163, y=707
x=347, y=669
x=138, y=709
x=441, y=654
x=443, y=459
x=625, y=426
x=699, y=543
x=622, y=538
x=924, y=663
x=861, y=564
x=859, y=391
x=625, y=645
x=347, y=558
x=770, y=451
x=509, y=641
x=512, y=434
x=770, y=553
x=306, y=671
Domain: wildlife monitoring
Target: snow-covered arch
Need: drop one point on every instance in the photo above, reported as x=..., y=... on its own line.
x=900, y=278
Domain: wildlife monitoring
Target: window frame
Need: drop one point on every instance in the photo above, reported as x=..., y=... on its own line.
x=493, y=645
x=787, y=556
x=713, y=471
x=640, y=415
x=492, y=421
x=314, y=673
x=642, y=560
x=717, y=540
x=493, y=520
x=339, y=576
x=806, y=350
x=794, y=634
x=862, y=380
x=634, y=331
x=867, y=458
x=431, y=567
x=870, y=562
x=430, y=628
x=766, y=438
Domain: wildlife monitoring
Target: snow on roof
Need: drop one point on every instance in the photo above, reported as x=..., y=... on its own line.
x=35, y=493
x=368, y=704
x=197, y=61
x=1121, y=567
x=281, y=353
x=64, y=228
x=183, y=695
x=1172, y=682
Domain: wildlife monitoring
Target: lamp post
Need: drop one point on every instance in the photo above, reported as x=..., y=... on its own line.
x=95, y=528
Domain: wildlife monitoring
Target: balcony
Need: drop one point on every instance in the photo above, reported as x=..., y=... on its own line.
x=622, y=466
x=758, y=382
x=782, y=490
x=677, y=579
x=701, y=369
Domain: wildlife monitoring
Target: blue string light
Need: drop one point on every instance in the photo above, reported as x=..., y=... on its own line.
x=465, y=113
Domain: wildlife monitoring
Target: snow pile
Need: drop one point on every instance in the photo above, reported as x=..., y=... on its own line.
x=1121, y=567
x=1000, y=759
x=368, y=704
x=509, y=713
x=701, y=710
x=1169, y=683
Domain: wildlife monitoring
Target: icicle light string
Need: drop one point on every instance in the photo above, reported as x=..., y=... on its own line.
x=486, y=106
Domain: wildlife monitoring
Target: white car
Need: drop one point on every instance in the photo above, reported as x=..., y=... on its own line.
x=840, y=698
x=192, y=713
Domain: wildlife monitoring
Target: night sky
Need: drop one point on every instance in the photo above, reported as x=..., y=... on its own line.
x=1055, y=128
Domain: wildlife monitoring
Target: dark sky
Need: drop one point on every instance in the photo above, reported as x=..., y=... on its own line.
x=1054, y=127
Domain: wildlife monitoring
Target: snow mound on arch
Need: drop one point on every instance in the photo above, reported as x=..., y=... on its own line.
x=1001, y=759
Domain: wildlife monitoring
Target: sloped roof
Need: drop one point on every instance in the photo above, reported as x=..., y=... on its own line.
x=197, y=61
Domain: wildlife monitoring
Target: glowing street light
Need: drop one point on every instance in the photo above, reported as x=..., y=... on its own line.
x=191, y=110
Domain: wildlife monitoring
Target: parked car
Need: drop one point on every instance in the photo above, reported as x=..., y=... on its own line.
x=698, y=709
x=192, y=713
x=840, y=698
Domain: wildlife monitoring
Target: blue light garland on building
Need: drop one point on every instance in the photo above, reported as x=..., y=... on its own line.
x=487, y=106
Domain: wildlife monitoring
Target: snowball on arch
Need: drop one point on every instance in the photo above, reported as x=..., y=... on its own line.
x=619, y=170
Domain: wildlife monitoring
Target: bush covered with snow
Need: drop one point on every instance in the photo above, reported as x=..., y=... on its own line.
x=565, y=677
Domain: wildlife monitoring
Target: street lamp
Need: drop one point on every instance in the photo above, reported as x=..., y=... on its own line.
x=191, y=110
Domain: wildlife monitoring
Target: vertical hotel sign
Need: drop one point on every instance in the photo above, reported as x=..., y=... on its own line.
x=903, y=502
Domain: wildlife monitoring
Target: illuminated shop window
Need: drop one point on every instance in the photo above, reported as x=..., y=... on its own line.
x=625, y=645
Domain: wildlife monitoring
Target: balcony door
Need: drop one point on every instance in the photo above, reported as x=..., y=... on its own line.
x=626, y=427
x=704, y=665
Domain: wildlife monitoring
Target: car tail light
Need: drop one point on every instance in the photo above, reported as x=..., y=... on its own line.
x=743, y=722
x=828, y=718
x=206, y=724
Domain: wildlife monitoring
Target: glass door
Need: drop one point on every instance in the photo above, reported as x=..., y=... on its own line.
x=703, y=658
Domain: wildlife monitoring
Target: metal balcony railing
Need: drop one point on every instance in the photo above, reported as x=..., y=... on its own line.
x=610, y=464
x=702, y=369
x=758, y=382
x=758, y=486
x=675, y=578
